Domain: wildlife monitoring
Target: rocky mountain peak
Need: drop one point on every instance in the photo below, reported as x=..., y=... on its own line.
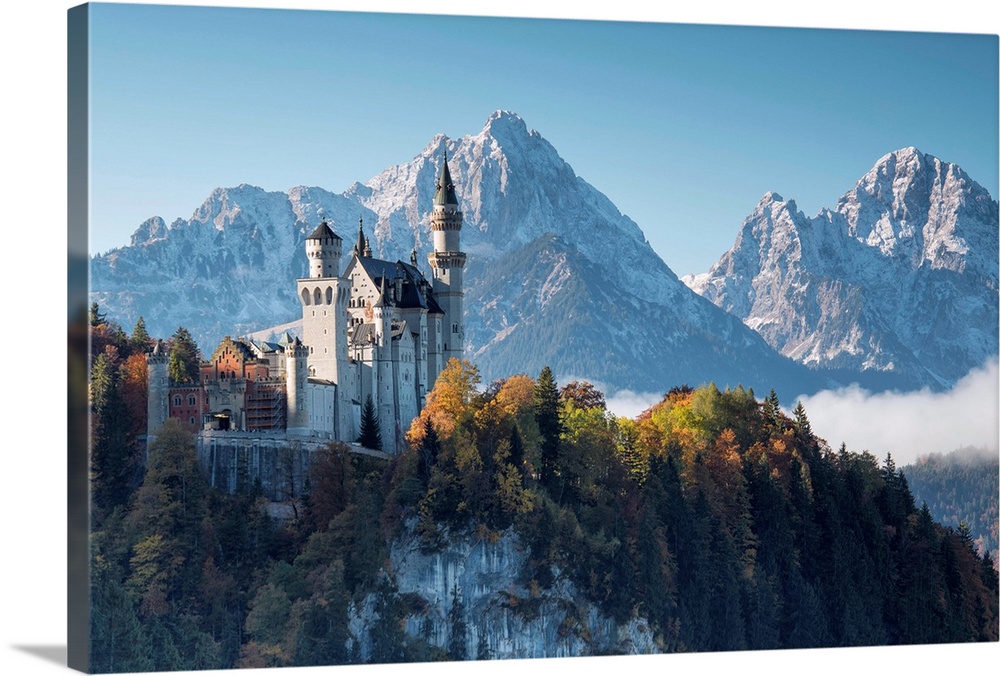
x=914, y=206
x=151, y=230
x=505, y=125
x=900, y=276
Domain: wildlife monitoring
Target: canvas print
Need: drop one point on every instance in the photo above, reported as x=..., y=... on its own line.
x=411, y=338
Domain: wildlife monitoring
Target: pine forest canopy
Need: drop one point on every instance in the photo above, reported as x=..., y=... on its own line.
x=720, y=520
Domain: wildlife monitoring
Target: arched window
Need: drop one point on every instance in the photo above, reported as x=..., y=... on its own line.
x=191, y=400
x=329, y=295
x=177, y=400
x=317, y=296
x=305, y=296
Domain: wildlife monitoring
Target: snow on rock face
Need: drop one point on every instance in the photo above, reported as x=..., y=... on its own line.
x=917, y=208
x=502, y=617
x=900, y=277
x=604, y=299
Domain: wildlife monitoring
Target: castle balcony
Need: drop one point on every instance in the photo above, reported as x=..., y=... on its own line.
x=446, y=259
x=449, y=222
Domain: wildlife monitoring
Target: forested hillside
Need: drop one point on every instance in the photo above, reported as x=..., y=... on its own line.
x=722, y=522
x=961, y=489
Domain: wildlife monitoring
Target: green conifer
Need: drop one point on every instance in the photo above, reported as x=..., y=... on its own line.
x=546, y=404
x=371, y=430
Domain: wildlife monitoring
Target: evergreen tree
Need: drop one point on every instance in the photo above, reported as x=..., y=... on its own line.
x=429, y=448
x=139, y=341
x=802, y=426
x=96, y=316
x=516, y=455
x=371, y=430
x=546, y=404
x=120, y=340
x=772, y=411
x=183, y=366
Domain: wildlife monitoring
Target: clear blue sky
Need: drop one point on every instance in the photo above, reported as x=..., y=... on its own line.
x=684, y=127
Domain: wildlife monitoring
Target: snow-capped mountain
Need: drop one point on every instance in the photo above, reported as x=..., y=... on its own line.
x=556, y=274
x=900, y=277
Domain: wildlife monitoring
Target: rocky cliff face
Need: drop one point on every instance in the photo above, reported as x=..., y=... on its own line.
x=502, y=618
x=900, y=277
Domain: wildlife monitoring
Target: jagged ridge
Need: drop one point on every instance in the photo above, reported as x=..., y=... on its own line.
x=901, y=276
x=615, y=312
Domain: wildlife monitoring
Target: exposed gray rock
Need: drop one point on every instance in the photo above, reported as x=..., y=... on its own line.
x=498, y=610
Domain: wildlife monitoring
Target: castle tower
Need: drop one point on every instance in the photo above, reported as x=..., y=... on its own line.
x=296, y=378
x=323, y=248
x=447, y=261
x=324, y=296
x=158, y=403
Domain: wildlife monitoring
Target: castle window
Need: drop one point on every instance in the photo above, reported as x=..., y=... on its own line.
x=177, y=400
x=454, y=327
x=329, y=295
x=192, y=420
x=191, y=400
x=317, y=296
x=305, y=296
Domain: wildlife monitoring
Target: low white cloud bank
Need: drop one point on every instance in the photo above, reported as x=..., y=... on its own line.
x=629, y=404
x=910, y=424
x=907, y=424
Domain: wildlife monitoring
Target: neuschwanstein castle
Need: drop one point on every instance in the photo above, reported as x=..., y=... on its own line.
x=372, y=328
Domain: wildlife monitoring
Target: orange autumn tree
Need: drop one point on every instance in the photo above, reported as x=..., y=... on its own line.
x=448, y=403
